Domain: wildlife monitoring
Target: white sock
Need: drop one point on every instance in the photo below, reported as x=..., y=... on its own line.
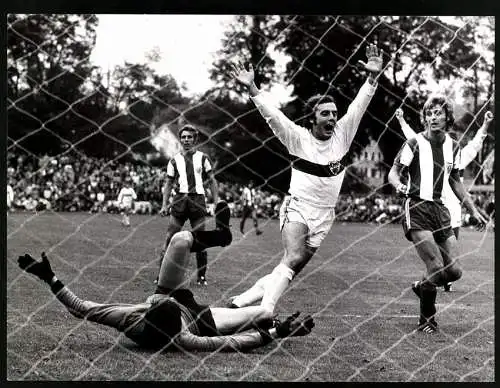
x=253, y=294
x=281, y=276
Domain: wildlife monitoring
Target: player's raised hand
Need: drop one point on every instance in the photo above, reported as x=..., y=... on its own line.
x=488, y=117
x=293, y=327
x=374, y=56
x=241, y=74
x=41, y=269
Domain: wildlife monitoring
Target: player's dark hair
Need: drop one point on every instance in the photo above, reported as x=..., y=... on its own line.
x=311, y=104
x=439, y=100
x=162, y=322
x=188, y=128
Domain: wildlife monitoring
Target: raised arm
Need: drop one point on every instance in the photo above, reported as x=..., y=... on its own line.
x=349, y=123
x=407, y=130
x=285, y=129
x=470, y=151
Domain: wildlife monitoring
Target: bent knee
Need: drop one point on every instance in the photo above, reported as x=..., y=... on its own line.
x=182, y=239
x=453, y=274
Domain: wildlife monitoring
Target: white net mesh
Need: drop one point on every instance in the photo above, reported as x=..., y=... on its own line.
x=76, y=130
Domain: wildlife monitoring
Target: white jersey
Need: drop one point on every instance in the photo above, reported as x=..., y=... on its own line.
x=468, y=154
x=126, y=196
x=317, y=191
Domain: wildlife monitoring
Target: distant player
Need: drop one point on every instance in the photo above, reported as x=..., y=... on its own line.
x=126, y=198
x=468, y=154
x=191, y=170
x=171, y=318
x=249, y=208
x=420, y=169
x=318, y=171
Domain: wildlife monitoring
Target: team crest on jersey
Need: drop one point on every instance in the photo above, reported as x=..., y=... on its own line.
x=335, y=167
x=449, y=167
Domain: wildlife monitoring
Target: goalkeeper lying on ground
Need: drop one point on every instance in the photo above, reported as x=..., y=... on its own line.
x=171, y=318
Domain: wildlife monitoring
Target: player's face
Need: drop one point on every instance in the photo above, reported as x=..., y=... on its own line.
x=325, y=119
x=435, y=118
x=187, y=140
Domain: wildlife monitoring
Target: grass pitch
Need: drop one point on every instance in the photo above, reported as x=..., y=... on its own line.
x=357, y=287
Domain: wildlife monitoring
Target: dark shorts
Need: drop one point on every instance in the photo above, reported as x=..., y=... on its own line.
x=427, y=215
x=190, y=207
x=201, y=313
x=247, y=211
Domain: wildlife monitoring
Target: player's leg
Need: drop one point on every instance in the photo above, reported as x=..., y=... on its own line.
x=256, y=222
x=175, y=261
x=244, y=217
x=429, y=252
x=175, y=224
x=198, y=224
x=296, y=254
x=253, y=295
x=109, y=314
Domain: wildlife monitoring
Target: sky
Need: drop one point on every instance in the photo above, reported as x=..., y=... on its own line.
x=187, y=44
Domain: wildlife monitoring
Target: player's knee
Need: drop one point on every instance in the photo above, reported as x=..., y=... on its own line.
x=453, y=273
x=181, y=240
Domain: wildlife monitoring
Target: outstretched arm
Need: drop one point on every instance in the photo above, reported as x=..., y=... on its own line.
x=291, y=327
x=470, y=151
x=285, y=129
x=349, y=123
x=407, y=130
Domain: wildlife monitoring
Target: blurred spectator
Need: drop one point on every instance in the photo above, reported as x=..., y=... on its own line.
x=80, y=183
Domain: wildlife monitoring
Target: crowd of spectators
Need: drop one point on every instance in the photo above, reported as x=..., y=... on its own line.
x=76, y=183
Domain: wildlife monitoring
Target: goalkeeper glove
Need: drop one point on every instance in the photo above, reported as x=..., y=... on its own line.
x=293, y=327
x=41, y=269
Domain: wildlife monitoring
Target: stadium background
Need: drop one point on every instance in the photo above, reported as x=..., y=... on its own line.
x=75, y=130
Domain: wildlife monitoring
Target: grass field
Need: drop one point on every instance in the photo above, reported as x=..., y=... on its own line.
x=357, y=287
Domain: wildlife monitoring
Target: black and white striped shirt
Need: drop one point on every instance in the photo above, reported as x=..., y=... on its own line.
x=190, y=170
x=427, y=165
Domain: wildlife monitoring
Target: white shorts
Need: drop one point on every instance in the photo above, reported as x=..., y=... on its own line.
x=318, y=220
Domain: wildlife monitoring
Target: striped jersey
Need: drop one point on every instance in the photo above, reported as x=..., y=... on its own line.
x=318, y=191
x=248, y=196
x=190, y=170
x=467, y=155
x=428, y=165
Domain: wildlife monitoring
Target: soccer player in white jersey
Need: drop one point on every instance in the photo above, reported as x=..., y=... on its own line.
x=420, y=169
x=171, y=318
x=468, y=154
x=126, y=198
x=307, y=213
x=249, y=208
x=191, y=170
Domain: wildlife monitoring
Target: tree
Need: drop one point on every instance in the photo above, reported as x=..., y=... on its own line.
x=47, y=62
x=249, y=40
